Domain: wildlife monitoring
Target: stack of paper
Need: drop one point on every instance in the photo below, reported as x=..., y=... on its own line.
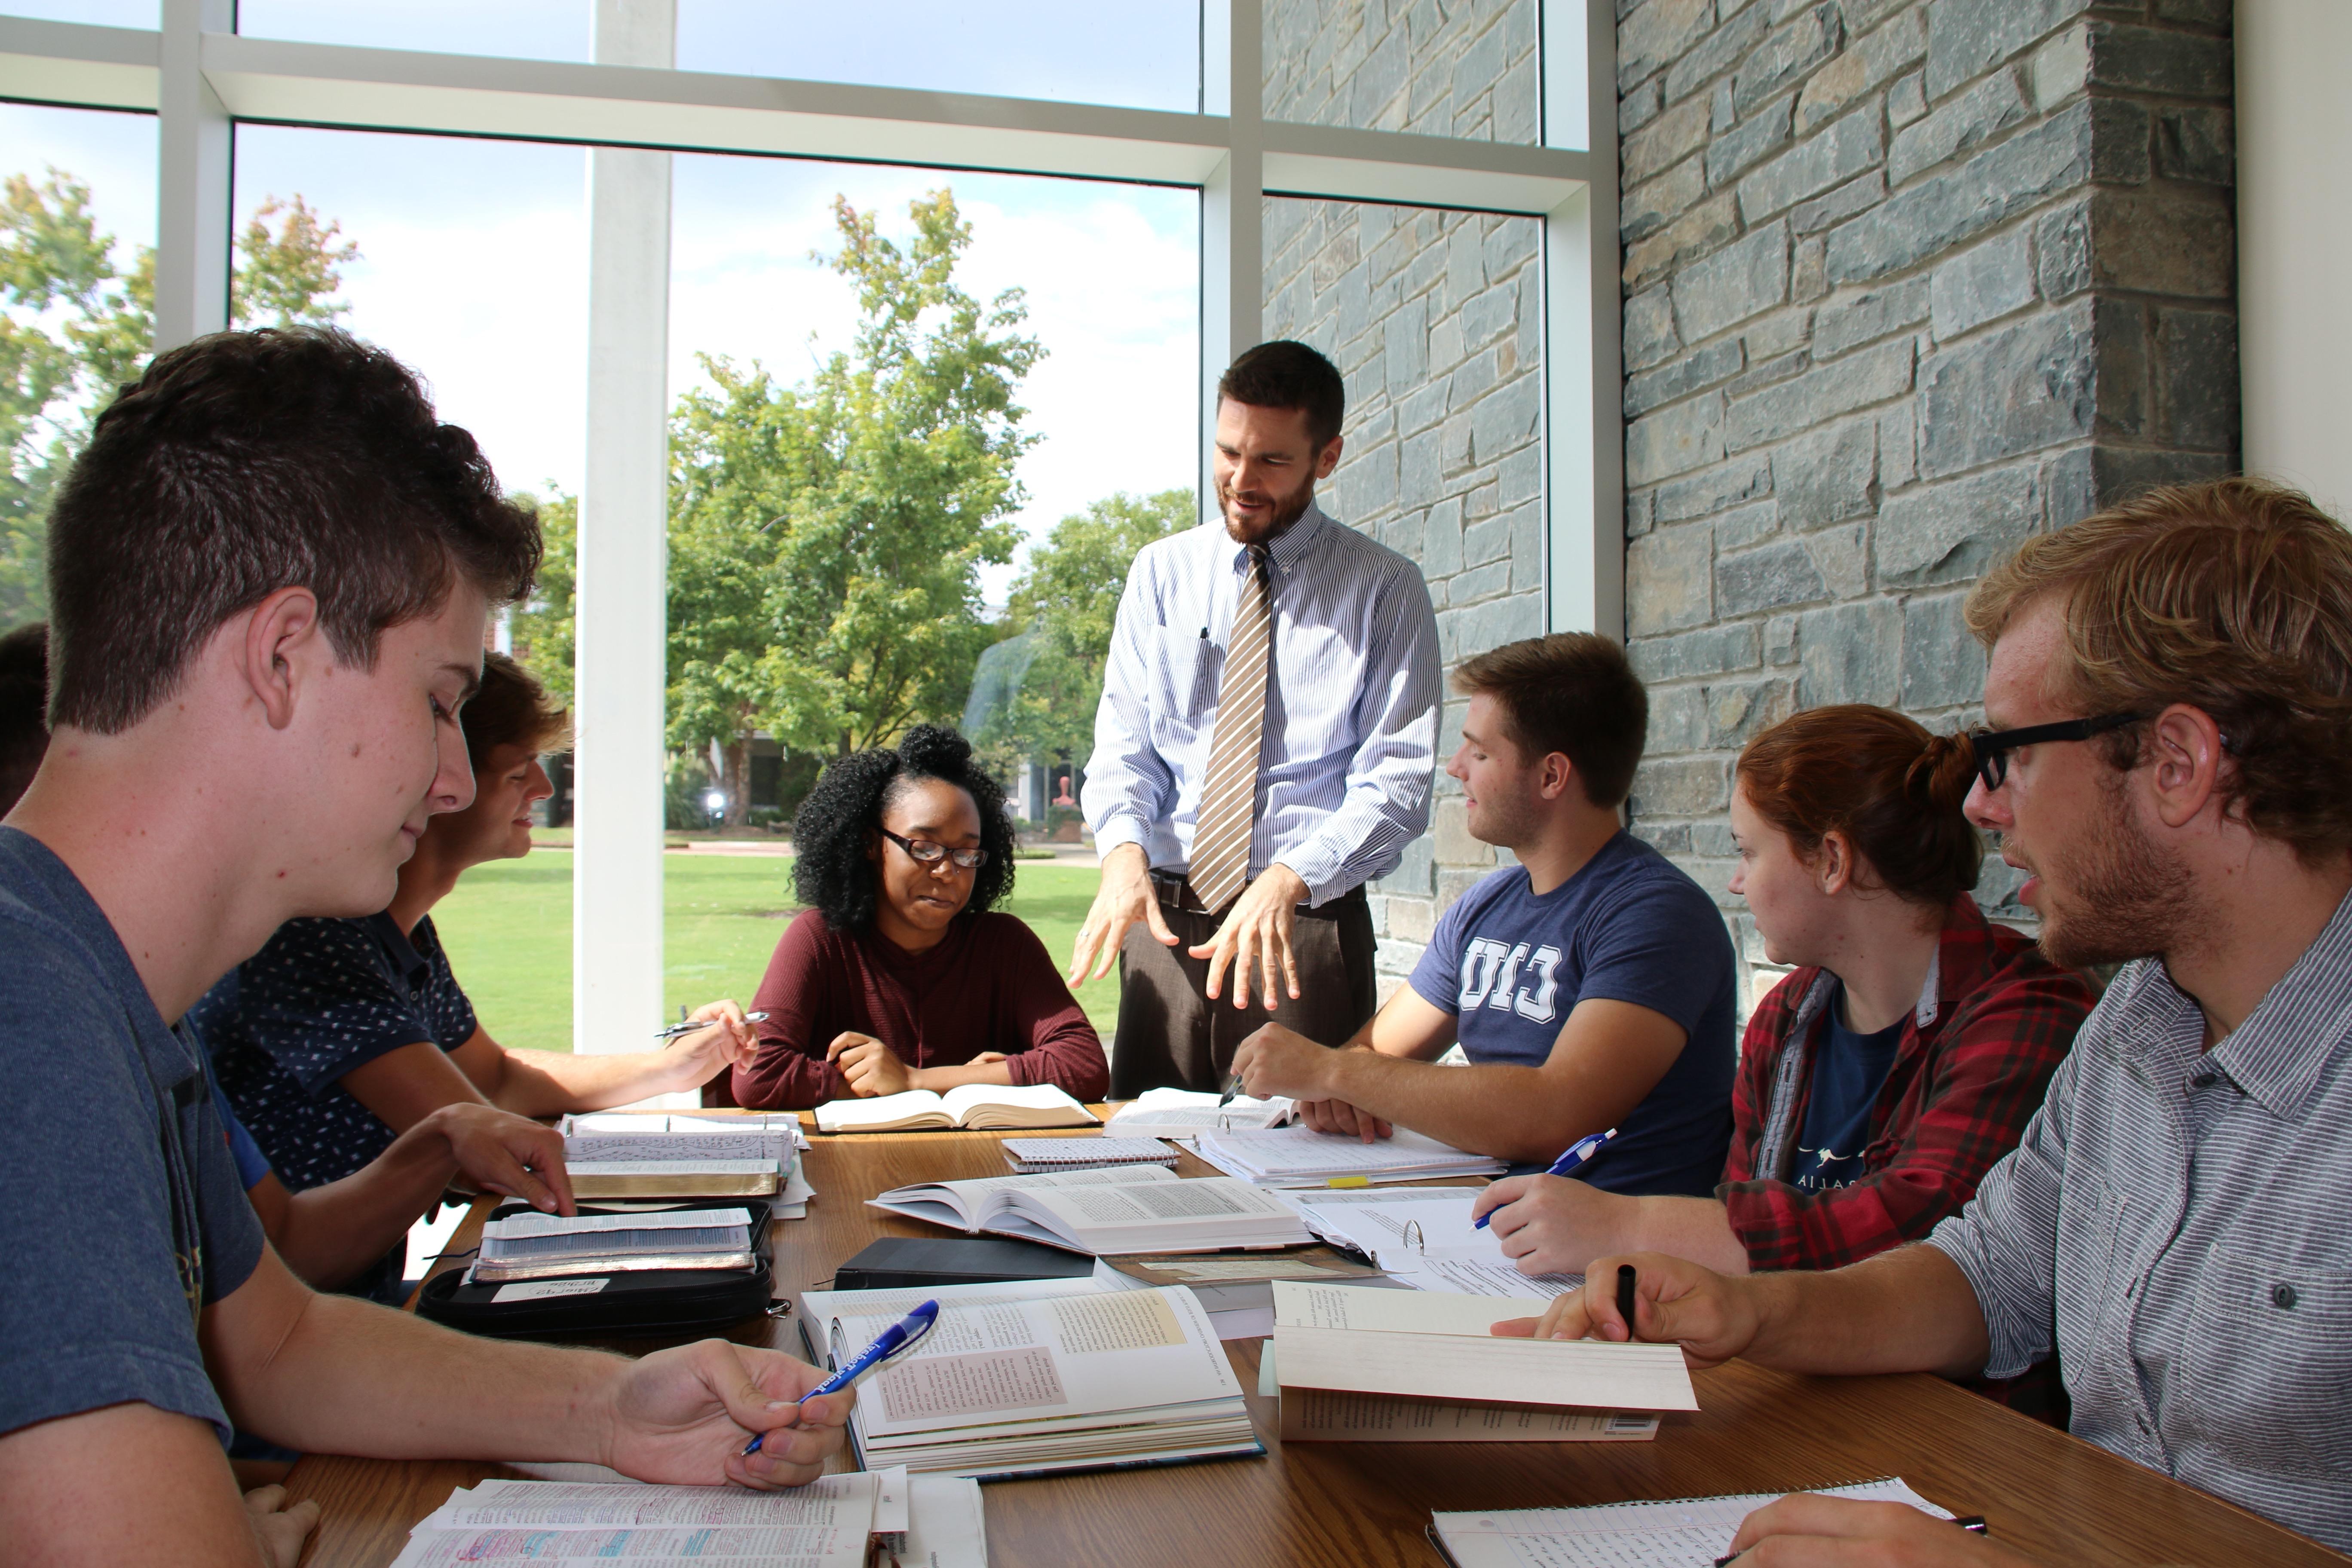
x=1625, y=1534
x=1036, y=1377
x=639, y=1154
x=1301, y=1157
x=1412, y=1347
x=524, y=1243
x=1127, y=1208
x=1236, y=1292
x=1423, y=1237
x=1031, y=1156
x=832, y=1522
x=975, y=1107
x=1189, y=1110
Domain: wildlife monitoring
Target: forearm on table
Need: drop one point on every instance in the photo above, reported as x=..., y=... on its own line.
x=549, y=1083
x=940, y=1080
x=1907, y=1310
x=1696, y=1228
x=1510, y=1112
x=346, y=1376
x=330, y=1233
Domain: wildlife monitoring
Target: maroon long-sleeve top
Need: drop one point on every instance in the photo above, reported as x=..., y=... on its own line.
x=988, y=985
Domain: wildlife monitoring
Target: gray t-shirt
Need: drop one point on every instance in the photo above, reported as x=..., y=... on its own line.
x=123, y=1209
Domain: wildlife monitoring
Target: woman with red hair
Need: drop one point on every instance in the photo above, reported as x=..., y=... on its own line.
x=1905, y=1055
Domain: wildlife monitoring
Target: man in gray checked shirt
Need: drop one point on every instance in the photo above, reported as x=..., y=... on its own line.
x=2170, y=691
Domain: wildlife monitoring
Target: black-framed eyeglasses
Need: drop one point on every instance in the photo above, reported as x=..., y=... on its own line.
x=1993, y=746
x=926, y=853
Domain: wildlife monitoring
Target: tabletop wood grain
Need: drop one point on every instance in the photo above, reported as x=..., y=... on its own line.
x=1365, y=1505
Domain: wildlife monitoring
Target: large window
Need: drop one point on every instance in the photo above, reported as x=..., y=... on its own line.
x=554, y=224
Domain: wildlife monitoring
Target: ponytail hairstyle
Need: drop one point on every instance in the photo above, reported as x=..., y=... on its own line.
x=1881, y=779
x=830, y=871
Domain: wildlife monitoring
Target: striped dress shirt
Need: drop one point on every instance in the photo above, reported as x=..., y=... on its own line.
x=2174, y=1224
x=1346, y=764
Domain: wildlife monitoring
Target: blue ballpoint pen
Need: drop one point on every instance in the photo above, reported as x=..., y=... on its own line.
x=1578, y=1153
x=892, y=1340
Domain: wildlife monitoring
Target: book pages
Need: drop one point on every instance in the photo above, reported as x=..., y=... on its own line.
x=1432, y=1346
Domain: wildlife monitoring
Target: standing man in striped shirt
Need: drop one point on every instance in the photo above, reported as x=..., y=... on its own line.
x=1264, y=748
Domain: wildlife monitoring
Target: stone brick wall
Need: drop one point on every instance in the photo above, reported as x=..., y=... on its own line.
x=1906, y=282
x=1436, y=68
x=1435, y=320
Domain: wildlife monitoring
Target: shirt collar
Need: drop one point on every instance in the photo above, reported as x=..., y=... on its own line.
x=2276, y=1055
x=394, y=942
x=1286, y=549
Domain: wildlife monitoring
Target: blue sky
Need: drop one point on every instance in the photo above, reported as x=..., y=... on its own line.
x=473, y=271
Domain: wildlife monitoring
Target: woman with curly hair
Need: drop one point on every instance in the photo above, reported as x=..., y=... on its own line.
x=900, y=974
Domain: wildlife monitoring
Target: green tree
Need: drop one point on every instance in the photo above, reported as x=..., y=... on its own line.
x=542, y=624
x=75, y=324
x=1065, y=600
x=825, y=539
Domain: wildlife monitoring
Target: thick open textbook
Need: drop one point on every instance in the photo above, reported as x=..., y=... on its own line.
x=1122, y=1209
x=1038, y=1375
x=1688, y=1532
x=979, y=1107
x=1349, y=1338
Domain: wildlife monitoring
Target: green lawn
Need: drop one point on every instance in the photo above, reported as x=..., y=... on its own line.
x=508, y=931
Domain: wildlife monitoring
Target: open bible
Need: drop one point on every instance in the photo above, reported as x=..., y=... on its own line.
x=1123, y=1209
x=977, y=1107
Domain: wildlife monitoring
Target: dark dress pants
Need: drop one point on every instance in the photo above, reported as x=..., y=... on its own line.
x=1171, y=1035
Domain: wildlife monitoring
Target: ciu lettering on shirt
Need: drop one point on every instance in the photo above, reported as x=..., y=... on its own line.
x=1511, y=977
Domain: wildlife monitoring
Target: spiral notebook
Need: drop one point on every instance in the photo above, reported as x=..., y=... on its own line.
x=1687, y=1532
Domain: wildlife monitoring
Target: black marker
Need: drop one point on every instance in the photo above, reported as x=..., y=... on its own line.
x=1625, y=1295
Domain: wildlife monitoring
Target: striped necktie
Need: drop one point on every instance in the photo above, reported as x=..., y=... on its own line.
x=1221, y=838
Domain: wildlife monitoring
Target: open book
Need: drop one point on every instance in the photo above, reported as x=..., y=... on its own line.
x=1174, y=1111
x=1302, y=1157
x=981, y=1106
x=1036, y=1375
x=1625, y=1534
x=1127, y=1208
x=1433, y=1346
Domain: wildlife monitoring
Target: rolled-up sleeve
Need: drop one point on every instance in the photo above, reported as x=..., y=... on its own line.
x=1386, y=806
x=1129, y=785
x=2006, y=1240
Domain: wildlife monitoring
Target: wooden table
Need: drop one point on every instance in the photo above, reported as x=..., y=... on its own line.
x=1354, y=1505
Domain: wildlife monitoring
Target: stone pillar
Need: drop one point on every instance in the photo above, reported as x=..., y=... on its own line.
x=1906, y=282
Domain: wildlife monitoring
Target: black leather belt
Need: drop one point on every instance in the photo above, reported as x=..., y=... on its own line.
x=1176, y=892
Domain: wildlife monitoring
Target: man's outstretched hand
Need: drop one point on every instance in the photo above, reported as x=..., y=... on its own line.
x=1256, y=932
x=1123, y=899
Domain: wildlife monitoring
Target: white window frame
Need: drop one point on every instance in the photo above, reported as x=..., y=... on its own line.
x=200, y=77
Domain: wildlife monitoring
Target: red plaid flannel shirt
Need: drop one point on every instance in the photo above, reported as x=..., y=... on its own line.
x=1957, y=1098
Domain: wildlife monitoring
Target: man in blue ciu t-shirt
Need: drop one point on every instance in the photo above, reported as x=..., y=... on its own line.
x=1590, y=984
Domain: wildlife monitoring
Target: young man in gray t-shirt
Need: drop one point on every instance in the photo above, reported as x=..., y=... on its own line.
x=270, y=572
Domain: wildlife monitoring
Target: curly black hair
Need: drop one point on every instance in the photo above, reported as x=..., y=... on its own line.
x=830, y=870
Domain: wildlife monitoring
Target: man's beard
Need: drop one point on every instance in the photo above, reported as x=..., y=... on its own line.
x=1286, y=510
x=2125, y=898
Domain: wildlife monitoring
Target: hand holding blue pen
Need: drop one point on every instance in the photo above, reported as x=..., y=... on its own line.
x=1577, y=1154
x=897, y=1337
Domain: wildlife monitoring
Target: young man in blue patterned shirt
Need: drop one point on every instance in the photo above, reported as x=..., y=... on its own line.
x=2170, y=691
